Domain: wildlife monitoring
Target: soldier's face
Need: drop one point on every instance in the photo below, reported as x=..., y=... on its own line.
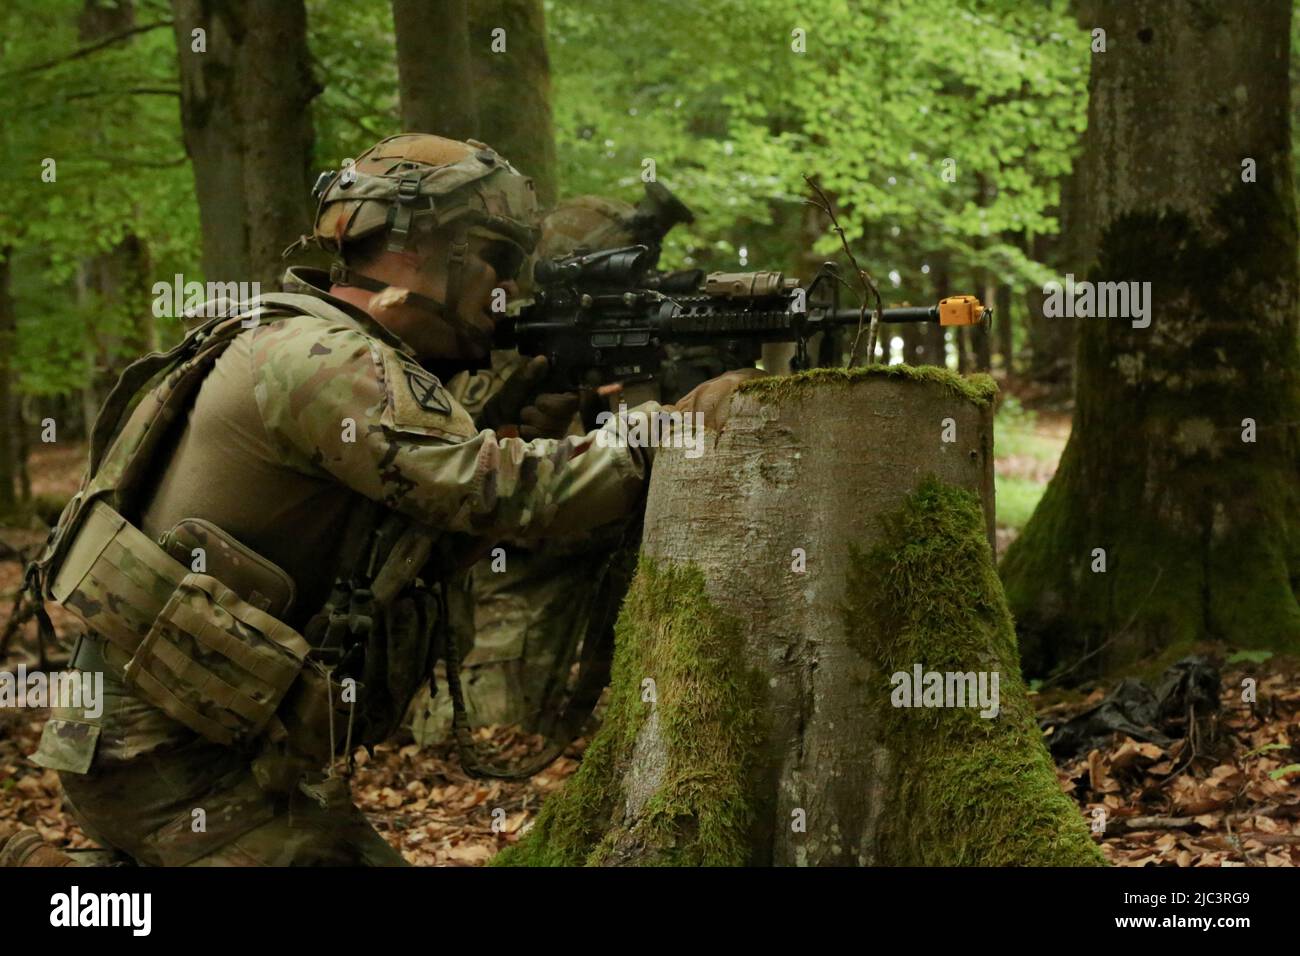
x=479, y=306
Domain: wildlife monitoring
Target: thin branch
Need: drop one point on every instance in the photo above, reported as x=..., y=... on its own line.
x=90, y=94
x=85, y=51
x=130, y=91
x=868, y=283
x=111, y=166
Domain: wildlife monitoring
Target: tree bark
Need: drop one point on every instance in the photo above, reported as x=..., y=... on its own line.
x=8, y=400
x=246, y=116
x=785, y=576
x=1198, y=525
x=980, y=338
x=1051, y=340
x=513, y=88
x=1002, y=304
x=434, y=73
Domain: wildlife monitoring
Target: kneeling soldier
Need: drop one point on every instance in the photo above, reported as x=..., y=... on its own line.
x=268, y=510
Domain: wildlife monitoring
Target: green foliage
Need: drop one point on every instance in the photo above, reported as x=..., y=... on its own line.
x=110, y=123
x=354, y=57
x=1250, y=657
x=712, y=92
x=733, y=118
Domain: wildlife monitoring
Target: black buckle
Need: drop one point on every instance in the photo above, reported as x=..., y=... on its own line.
x=408, y=188
x=361, y=614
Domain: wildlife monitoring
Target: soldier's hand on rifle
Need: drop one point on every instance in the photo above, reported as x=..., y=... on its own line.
x=520, y=408
x=712, y=399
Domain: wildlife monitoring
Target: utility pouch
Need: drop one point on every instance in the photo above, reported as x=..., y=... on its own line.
x=194, y=648
x=207, y=549
x=216, y=663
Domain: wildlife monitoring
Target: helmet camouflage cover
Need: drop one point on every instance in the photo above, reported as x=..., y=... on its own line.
x=589, y=222
x=417, y=181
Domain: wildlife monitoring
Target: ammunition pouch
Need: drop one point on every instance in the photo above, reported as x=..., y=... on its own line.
x=195, y=648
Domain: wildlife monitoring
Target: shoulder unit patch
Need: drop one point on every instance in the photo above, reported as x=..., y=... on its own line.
x=417, y=403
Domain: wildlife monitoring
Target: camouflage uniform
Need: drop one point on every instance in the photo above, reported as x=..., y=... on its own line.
x=297, y=420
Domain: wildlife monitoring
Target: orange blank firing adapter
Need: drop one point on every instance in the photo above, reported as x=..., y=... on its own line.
x=961, y=310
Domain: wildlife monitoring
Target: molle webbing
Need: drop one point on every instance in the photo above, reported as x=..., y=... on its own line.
x=196, y=649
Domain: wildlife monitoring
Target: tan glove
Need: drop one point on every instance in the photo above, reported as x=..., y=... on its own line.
x=712, y=399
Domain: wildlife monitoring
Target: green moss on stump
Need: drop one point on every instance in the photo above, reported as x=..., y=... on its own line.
x=700, y=810
x=978, y=389
x=967, y=790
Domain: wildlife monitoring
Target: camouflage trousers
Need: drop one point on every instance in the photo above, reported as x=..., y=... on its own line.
x=518, y=621
x=140, y=783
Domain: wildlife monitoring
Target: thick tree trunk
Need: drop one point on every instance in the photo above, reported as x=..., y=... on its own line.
x=8, y=400
x=246, y=116
x=1181, y=472
x=827, y=540
x=434, y=68
x=513, y=87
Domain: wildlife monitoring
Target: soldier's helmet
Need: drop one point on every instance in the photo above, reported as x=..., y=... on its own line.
x=417, y=181
x=586, y=222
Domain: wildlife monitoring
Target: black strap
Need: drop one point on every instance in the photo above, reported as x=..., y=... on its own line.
x=45, y=633
x=342, y=275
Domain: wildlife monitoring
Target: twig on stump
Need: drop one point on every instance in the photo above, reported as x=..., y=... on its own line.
x=868, y=283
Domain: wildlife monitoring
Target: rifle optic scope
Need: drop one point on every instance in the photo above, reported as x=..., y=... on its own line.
x=623, y=268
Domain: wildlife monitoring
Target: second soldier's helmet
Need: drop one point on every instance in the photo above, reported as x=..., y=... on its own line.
x=586, y=222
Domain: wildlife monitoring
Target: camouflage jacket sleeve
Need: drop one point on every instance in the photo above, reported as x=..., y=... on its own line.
x=338, y=403
x=473, y=389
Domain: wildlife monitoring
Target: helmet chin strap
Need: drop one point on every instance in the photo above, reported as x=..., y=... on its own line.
x=468, y=337
x=342, y=275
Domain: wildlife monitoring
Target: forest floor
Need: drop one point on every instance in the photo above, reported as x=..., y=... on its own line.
x=1233, y=798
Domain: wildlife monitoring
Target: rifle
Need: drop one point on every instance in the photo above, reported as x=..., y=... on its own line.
x=602, y=317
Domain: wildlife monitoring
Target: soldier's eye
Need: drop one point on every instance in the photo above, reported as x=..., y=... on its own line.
x=505, y=258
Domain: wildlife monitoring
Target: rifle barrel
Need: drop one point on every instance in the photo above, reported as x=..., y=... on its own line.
x=917, y=313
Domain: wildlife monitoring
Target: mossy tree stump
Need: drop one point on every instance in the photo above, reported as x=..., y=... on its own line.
x=837, y=532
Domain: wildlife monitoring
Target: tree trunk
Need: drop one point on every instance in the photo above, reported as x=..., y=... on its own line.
x=433, y=68
x=1051, y=340
x=8, y=400
x=1002, y=299
x=246, y=116
x=786, y=575
x=513, y=87
x=980, y=338
x=112, y=285
x=924, y=342
x=1180, y=473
